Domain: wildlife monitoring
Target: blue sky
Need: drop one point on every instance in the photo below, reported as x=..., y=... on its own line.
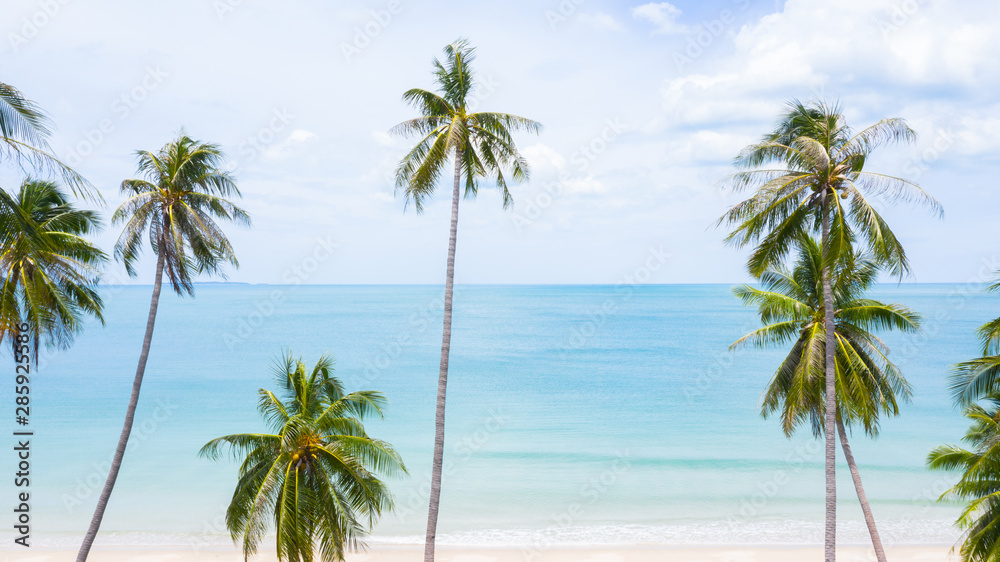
x=644, y=106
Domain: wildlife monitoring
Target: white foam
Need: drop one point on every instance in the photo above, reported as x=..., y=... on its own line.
x=924, y=532
x=709, y=533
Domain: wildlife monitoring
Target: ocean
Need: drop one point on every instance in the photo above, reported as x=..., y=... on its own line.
x=577, y=415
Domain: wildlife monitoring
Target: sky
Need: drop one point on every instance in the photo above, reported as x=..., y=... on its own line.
x=644, y=106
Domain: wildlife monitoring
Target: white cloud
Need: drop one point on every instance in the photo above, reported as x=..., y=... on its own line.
x=891, y=57
x=588, y=185
x=976, y=135
x=284, y=148
x=600, y=21
x=550, y=167
x=663, y=15
x=383, y=138
x=932, y=43
x=543, y=159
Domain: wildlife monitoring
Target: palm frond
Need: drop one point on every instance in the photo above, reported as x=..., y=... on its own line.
x=481, y=143
x=790, y=306
x=176, y=205
x=49, y=270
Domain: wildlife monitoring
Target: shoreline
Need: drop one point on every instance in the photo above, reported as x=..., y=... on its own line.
x=407, y=553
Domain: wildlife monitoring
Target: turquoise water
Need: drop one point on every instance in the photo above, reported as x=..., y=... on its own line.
x=577, y=414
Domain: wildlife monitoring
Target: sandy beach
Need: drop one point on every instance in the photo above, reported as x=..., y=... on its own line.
x=414, y=554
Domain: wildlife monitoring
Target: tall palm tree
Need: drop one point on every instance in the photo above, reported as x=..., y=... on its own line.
x=481, y=145
x=176, y=205
x=317, y=474
x=48, y=270
x=790, y=305
x=823, y=164
x=980, y=480
x=24, y=133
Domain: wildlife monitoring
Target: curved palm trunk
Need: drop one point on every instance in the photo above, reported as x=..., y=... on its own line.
x=432, y=512
x=869, y=518
x=116, y=463
x=830, y=538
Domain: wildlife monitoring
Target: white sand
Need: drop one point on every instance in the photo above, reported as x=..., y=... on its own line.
x=415, y=554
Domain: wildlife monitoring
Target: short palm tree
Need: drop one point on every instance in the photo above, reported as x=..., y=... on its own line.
x=981, y=376
x=972, y=381
x=48, y=270
x=820, y=186
x=24, y=133
x=980, y=481
x=176, y=205
x=481, y=146
x=868, y=385
x=316, y=476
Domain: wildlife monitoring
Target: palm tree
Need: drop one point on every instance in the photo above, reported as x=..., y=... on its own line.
x=823, y=164
x=482, y=147
x=24, y=133
x=790, y=305
x=48, y=270
x=316, y=475
x=176, y=206
x=980, y=481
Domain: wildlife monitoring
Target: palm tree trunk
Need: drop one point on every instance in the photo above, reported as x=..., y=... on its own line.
x=869, y=518
x=435, y=499
x=116, y=463
x=830, y=539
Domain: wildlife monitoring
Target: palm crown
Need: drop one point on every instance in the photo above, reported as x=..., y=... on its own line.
x=317, y=474
x=790, y=305
x=480, y=141
x=178, y=202
x=823, y=156
x=48, y=270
